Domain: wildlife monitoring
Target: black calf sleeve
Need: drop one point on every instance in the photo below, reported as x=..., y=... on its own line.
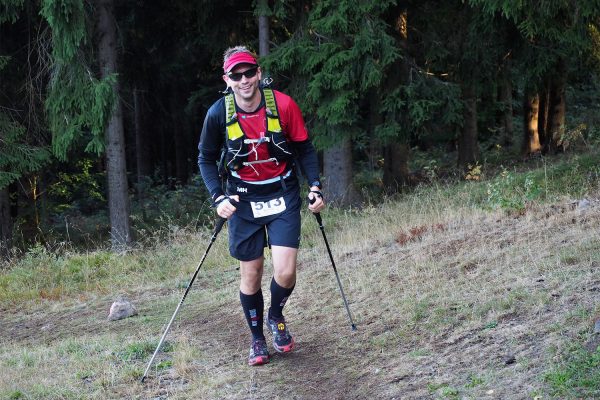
x=253, y=305
x=279, y=296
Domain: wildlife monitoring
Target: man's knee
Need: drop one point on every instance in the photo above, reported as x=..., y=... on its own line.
x=285, y=278
x=251, y=275
x=284, y=272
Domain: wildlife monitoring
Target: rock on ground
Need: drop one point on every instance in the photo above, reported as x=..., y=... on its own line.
x=121, y=308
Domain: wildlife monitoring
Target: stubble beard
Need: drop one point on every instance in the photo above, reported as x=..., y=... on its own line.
x=248, y=94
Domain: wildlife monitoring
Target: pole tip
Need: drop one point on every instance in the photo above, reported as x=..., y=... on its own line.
x=143, y=378
x=353, y=327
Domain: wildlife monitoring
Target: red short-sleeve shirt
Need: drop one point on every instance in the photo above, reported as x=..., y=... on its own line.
x=254, y=126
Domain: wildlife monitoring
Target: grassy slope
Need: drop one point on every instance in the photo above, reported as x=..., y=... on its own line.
x=452, y=299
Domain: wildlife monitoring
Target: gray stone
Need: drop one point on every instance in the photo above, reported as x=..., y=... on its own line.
x=121, y=308
x=583, y=204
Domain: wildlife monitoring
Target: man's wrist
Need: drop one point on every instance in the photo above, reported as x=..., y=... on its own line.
x=219, y=200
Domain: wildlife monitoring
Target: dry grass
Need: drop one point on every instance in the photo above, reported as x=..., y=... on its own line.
x=450, y=300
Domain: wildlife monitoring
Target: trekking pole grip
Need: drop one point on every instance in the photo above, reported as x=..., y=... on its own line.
x=221, y=221
x=316, y=214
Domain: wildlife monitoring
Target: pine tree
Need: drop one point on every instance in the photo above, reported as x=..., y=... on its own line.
x=116, y=167
x=81, y=106
x=337, y=59
x=21, y=152
x=553, y=32
x=78, y=103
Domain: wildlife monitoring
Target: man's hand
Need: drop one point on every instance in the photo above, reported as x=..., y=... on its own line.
x=318, y=203
x=225, y=209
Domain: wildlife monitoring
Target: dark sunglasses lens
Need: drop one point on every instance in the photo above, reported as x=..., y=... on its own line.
x=250, y=73
x=237, y=76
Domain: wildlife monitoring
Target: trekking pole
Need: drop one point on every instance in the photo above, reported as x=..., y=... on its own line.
x=320, y=221
x=218, y=227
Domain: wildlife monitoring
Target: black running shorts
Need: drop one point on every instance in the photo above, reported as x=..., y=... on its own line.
x=277, y=218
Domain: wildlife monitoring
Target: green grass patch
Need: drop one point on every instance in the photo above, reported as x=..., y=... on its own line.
x=420, y=353
x=577, y=376
x=16, y=395
x=490, y=325
x=474, y=381
x=444, y=390
x=138, y=351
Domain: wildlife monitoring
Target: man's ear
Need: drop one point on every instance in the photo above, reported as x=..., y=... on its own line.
x=225, y=78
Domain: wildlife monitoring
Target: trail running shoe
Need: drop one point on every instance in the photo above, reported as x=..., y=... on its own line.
x=283, y=342
x=259, y=354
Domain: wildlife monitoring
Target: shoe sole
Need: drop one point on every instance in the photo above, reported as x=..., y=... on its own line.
x=260, y=360
x=284, y=349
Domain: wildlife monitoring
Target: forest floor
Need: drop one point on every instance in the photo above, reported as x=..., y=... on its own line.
x=449, y=303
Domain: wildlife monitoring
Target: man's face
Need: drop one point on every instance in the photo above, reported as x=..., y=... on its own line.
x=246, y=87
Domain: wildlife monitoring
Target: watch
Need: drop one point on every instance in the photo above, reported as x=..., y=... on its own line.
x=316, y=183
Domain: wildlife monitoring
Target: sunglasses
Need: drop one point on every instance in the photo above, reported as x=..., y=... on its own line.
x=237, y=76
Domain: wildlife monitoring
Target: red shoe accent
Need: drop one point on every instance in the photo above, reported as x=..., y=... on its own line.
x=258, y=360
x=284, y=349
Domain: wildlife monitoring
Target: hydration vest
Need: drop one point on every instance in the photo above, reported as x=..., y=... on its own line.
x=238, y=147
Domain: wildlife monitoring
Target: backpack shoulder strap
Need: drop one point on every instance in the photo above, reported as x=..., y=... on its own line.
x=270, y=102
x=229, y=108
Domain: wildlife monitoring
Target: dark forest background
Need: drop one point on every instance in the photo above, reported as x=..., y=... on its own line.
x=102, y=102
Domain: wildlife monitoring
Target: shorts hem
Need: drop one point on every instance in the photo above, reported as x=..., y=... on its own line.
x=246, y=259
x=292, y=245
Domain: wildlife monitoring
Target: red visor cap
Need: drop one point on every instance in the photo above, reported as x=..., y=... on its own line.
x=237, y=59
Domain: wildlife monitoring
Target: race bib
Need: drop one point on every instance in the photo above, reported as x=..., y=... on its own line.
x=265, y=208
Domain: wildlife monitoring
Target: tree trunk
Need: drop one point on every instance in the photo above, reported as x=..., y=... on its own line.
x=395, y=167
x=544, y=110
x=142, y=151
x=165, y=154
x=468, y=150
x=375, y=119
x=395, y=154
x=531, y=111
x=118, y=200
x=507, y=109
x=179, y=139
x=557, y=108
x=5, y=223
x=142, y=159
x=263, y=28
x=337, y=171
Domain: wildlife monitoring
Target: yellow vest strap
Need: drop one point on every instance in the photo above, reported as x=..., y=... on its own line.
x=270, y=102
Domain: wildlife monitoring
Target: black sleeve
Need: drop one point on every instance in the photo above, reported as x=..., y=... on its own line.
x=209, y=148
x=308, y=160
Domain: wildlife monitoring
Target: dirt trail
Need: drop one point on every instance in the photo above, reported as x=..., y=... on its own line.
x=505, y=360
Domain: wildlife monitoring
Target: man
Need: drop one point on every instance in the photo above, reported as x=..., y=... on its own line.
x=262, y=132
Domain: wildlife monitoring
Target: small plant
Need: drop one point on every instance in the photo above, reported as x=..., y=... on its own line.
x=572, y=136
x=164, y=364
x=17, y=394
x=137, y=351
x=511, y=192
x=490, y=325
x=444, y=389
x=431, y=169
x=449, y=393
x=474, y=381
x=473, y=172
